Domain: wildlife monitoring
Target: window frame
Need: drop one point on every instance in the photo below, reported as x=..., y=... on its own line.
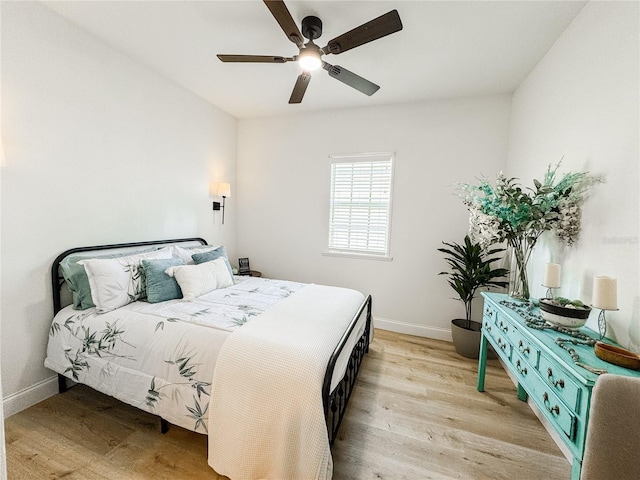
x=352, y=159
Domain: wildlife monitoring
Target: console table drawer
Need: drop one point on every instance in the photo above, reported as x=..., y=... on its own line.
x=528, y=350
x=522, y=367
x=551, y=406
x=490, y=313
x=561, y=382
x=501, y=344
x=505, y=329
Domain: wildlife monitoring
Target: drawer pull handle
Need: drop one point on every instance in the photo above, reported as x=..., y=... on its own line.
x=555, y=383
x=521, y=370
x=488, y=328
x=502, y=345
x=555, y=409
x=489, y=313
x=522, y=349
x=503, y=327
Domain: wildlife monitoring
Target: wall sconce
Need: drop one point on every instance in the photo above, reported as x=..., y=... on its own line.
x=224, y=191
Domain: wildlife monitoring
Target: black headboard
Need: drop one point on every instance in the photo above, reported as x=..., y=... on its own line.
x=57, y=280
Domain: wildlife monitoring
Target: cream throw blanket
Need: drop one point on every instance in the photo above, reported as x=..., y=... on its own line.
x=266, y=418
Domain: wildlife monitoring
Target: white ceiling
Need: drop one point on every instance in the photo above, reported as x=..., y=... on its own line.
x=446, y=48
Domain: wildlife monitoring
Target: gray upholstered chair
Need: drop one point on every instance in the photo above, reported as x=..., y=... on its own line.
x=612, y=449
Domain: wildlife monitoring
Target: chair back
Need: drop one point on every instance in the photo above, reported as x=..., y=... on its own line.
x=613, y=434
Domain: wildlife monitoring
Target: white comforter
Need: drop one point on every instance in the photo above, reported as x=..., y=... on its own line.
x=159, y=357
x=267, y=418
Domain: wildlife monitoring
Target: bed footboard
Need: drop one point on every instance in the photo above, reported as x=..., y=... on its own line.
x=335, y=402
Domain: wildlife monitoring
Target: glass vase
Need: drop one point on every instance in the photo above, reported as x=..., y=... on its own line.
x=520, y=252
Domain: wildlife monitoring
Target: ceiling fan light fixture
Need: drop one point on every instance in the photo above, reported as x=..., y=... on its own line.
x=309, y=60
x=310, y=57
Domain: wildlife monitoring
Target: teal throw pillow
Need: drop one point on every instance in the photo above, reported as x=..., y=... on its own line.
x=77, y=281
x=213, y=255
x=160, y=286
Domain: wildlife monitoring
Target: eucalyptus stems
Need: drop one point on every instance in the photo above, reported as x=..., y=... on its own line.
x=507, y=212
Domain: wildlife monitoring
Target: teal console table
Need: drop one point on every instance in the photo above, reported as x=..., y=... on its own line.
x=545, y=371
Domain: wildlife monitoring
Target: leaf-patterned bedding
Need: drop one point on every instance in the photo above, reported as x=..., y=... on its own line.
x=159, y=357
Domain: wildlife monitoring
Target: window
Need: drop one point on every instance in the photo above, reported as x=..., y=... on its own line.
x=360, y=204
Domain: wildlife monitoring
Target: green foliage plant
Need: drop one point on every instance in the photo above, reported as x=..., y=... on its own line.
x=471, y=268
x=506, y=212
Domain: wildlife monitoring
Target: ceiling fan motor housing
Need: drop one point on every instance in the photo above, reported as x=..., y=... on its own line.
x=311, y=27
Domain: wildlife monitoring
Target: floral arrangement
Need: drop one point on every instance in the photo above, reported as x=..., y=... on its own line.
x=507, y=212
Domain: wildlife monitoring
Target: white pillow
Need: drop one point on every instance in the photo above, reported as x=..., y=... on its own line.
x=185, y=253
x=116, y=282
x=196, y=280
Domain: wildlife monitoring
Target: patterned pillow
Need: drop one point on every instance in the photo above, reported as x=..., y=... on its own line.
x=118, y=281
x=196, y=280
x=76, y=277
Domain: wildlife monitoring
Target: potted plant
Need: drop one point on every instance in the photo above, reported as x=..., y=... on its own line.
x=471, y=268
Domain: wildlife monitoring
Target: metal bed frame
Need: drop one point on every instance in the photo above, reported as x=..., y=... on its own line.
x=334, y=402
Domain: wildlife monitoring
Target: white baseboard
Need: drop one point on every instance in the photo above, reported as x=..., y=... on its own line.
x=413, y=329
x=16, y=402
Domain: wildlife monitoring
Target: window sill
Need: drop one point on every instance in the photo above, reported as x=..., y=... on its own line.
x=363, y=256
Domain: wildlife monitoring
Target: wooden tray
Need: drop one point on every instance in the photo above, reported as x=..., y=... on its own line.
x=617, y=356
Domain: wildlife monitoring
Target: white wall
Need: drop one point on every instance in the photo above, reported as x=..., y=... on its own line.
x=283, y=182
x=3, y=454
x=581, y=102
x=99, y=150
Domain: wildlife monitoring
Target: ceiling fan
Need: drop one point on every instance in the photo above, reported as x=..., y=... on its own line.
x=310, y=56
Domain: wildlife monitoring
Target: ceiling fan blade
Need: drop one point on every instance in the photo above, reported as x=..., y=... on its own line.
x=281, y=13
x=356, y=81
x=301, y=86
x=254, y=58
x=377, y=28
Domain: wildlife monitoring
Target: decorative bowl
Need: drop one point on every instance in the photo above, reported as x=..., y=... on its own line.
x=617, y=356
x=569, y=317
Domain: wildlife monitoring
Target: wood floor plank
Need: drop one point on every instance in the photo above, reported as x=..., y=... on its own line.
x=415, y=414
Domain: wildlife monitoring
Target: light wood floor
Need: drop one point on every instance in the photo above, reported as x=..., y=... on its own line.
x=415, y=414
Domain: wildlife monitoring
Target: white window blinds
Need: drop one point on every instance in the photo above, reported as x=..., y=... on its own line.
x=360, y=203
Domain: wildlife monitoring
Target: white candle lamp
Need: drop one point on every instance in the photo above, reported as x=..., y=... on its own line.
x=551, y=278
x=605, y=297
